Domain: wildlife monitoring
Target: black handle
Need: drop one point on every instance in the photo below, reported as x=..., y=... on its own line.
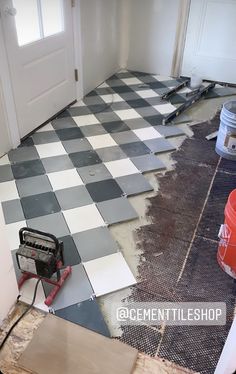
x=51, y=236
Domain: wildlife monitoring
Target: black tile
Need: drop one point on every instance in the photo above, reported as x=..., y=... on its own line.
x=122, y=89
x=40, y=205
x=116, y=126
x=85, y=158
x=177, y=99
x=79, y=111
x=86, y=314
x=139, y=103
x=28, y=142
x=154, y=120
x=28, y=169
x=155, y=85
x=69, y=134
x=70, y=254
x=63, y=114
x=104, y=190
x=135, y=149
x=63, y=123
x=92, y=93
x=98, y=108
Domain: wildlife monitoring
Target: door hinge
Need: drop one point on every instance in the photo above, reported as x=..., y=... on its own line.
x=76, y=75
x=73, y=3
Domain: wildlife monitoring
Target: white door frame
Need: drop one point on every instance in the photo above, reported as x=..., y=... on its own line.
x=5, y=76
x=180, y=38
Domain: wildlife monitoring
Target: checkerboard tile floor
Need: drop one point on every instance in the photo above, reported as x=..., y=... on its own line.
x=73, y=176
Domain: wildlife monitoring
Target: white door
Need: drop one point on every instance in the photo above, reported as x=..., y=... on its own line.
x=210, y=48
x=39, y=42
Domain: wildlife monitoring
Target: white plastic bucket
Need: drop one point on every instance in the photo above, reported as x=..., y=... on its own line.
x=226, y=139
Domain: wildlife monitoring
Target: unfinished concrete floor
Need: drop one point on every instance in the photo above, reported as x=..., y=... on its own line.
x=134, y=252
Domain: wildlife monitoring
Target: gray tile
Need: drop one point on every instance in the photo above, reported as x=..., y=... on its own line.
x=23, y=154
x=33, y=185
x=137, y=123
x=156, y=100
x=159, y=145
x=12, y=211
x=40, y=205
x=6, y=173
x=148, y=163
x=120, y=106
x=104, y=190
x=57, y=163
x=147, y=111
x=169, y=131
x=94, y=173
x=63, y=123
x=95, y=243
x=134, y=184
x=27, y=169
x=76, y=289
x=73, y=197
x=45, y=137
x=93, y=130
x=129, y=96
x=135, y=149
x=115, y=82
x=125, y=137
x=107, y=117
x=79, y=111
x=53, y=223
x=117, y=210
x=86, y=314
x=111, y=154
x=93, y=100
x=76, y=145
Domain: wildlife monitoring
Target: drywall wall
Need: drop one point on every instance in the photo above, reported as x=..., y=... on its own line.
x=4, y=137
x=8, y=284
x=152, y=32
x=100, y=40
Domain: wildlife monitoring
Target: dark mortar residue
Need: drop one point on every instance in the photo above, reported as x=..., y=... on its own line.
x=175, y=213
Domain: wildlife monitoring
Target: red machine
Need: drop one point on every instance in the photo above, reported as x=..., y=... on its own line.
x=40, y=255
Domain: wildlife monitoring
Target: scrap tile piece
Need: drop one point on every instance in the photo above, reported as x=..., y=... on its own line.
x=8, y=191
x=33, y=186
x=134, y=184
x=86, y=314
x=83, y=218
x=119, y=168
x=70, y=254
x=108, y=274
x=53, y=223
x=64, y=179
x=50, y=149
x=40, y=205
x=12, y=211
x=117, y=210
x=95, y=243
x=148, y=163
x=73, y=197
x=76, y=289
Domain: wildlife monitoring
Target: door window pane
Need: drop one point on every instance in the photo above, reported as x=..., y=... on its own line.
x=27, y=21
x=52, y=14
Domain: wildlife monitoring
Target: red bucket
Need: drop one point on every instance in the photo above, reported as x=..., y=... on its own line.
x=226, y=254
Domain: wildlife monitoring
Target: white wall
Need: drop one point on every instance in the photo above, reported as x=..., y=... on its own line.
x=4, y=136
x=152, y=31
x=100, y=37
x=8, y=285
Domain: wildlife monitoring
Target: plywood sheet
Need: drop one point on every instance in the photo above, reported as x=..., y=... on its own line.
x=60, y=347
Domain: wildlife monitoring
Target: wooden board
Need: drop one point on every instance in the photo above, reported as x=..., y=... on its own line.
x=61, y=347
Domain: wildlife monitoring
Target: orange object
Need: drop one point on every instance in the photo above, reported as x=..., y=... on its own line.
x=226, y=254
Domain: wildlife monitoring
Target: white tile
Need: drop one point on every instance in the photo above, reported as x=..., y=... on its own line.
x=8, y=191
x=13, y=233
x=101, y=141
x=4, y=160
x=47, y=127
x=50, y=149
x=120, y=168
x=147, y=93
x=115, y=98
x=147, y=133
x=65, y=179
x=103, y=85
x=27, y=293
x=108, y=274
x=165, y=108
x=86, y=120
x=83, y=218
x=162, y=78
x=127, y=114
x=131, y=81
x=184, y=90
